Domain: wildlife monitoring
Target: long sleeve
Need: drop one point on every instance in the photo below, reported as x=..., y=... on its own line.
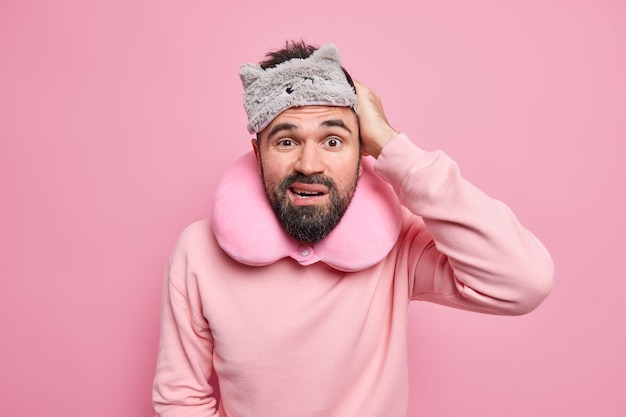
x=473, y=253
x=184, y=364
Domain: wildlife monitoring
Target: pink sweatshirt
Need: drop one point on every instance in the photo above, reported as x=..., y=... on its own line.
x=301, y=331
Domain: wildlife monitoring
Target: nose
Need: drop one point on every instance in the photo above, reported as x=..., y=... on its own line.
x=310, y=160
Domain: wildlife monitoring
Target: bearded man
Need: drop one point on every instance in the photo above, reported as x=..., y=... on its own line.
x=294, y=292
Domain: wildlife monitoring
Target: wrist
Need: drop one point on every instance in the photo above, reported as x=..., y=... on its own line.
x=375, y=146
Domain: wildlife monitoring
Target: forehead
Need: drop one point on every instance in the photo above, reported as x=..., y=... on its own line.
x=313, y=116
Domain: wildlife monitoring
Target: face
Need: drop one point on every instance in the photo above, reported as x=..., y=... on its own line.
x=309, y=158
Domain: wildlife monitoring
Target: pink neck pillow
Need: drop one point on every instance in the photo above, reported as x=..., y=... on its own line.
x=247, y=229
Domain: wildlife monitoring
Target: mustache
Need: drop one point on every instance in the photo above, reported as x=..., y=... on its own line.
x=308, y=179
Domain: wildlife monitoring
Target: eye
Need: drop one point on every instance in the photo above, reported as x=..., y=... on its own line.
x=285, y=143
x=333, y=142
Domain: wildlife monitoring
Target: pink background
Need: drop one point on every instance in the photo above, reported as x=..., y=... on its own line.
x=117, y=117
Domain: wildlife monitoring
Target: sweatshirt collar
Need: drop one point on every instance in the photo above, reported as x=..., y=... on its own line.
x=247, y=229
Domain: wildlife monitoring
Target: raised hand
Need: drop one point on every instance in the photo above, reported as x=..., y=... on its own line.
x=375, y=130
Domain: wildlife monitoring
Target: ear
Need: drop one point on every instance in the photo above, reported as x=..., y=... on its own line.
x=255, y=147
x=327, y=52
x=249, y=73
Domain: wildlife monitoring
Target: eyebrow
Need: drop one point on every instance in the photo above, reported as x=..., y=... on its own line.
x=290, y=126
x=335, y=123
x=279, y=128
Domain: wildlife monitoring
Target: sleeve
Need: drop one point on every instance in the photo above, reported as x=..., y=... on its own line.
x=184, y=365
x=473, y=253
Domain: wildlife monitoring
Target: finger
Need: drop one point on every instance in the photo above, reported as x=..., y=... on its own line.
x=361, y=89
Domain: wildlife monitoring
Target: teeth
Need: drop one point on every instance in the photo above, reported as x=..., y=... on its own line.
x=305, y=194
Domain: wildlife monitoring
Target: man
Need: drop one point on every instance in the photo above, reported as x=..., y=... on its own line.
x=294, y=292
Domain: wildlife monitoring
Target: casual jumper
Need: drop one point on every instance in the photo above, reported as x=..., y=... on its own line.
x=320, y=331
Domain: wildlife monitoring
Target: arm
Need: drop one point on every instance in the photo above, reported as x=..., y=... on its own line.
x=474, y=253
x=184, y=364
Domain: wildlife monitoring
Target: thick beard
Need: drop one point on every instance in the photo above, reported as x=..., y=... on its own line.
x=310, y=224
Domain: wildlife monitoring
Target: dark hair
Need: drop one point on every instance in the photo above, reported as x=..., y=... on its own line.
x=294, y=49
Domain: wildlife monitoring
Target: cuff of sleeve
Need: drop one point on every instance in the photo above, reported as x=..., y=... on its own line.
x=399, y=158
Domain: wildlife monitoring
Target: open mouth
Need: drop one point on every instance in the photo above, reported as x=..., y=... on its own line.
x=306, y=194
x=312, y=193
